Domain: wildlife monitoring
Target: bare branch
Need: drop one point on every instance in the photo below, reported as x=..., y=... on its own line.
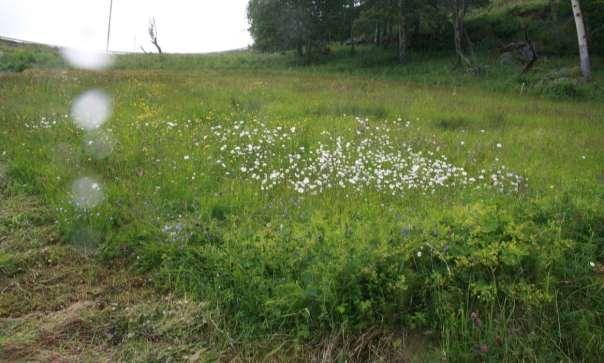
x=153, y=34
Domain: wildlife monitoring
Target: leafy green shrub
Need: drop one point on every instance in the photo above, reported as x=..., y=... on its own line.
x=16, y=61
x=453, y=123
x=8, y=265
x=485, y=275
x=507, y=21
x=559, y=88
x=519, y=268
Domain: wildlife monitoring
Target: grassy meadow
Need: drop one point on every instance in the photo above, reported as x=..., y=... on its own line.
x=321, y=213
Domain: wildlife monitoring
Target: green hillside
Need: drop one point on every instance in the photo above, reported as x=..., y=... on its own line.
x=254, y=206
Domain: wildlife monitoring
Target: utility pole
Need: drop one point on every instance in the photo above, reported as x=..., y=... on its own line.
x=109, y=25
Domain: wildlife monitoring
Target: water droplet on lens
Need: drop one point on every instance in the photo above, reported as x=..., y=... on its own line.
x=86, y=238
x=99, y=144
x=91, y=109
x=87, y=58
x=87, y=193
x=64, y=154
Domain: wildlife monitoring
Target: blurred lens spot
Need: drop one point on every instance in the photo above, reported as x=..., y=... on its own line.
x=86, y=193
x=87, y=58
x=99, y=144
x=91, y=109
x=65, y=154
x=86, y=238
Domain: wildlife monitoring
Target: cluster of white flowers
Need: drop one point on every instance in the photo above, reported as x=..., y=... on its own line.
x=368, y=161
x=43, y=123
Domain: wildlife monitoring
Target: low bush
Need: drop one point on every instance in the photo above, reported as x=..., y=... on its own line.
x=16, y=61
x=484, y=275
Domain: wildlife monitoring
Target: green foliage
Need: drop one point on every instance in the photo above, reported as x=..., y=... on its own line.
x=455, y=123
x=428, y=69
x=8, y=265
x=560, y=88
x=310, y=27
x=303, y=25
x=15, y=57
x=550, y=24
x=514, y=266
x=16, y=61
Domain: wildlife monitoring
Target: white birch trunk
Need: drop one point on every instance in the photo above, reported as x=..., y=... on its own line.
x=582, y=36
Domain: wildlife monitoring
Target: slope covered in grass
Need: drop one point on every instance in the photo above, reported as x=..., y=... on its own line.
x=310, y=205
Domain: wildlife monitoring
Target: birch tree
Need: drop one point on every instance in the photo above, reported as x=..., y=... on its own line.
x=582, y=37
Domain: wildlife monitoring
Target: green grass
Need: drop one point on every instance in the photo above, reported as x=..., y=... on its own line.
x=349, y=265
x=17, y=57
x=59, y=303
x=552, y=76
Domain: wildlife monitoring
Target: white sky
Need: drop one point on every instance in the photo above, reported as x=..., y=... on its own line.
x=184, y=26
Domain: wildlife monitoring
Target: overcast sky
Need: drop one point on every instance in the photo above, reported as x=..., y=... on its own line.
x=184, y=26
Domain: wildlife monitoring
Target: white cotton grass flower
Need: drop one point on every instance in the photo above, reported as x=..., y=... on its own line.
x=499, y=146
x=592, y=264
x=91, y=109
x=372, y=160
x=87, y=193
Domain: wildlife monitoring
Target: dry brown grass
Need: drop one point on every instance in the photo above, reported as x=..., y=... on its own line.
x=59, y=303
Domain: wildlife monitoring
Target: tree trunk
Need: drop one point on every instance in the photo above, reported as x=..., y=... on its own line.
x=458, y=27
x=402, y=33
x=156, y=44
x=469, y=43
x=582, y=37
x=153, y=34
x=534, y=57
x=352, y=45
x=351, y=27
x=554, y=9
x=385, y=34
x=309, y=50
x=416, y=27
